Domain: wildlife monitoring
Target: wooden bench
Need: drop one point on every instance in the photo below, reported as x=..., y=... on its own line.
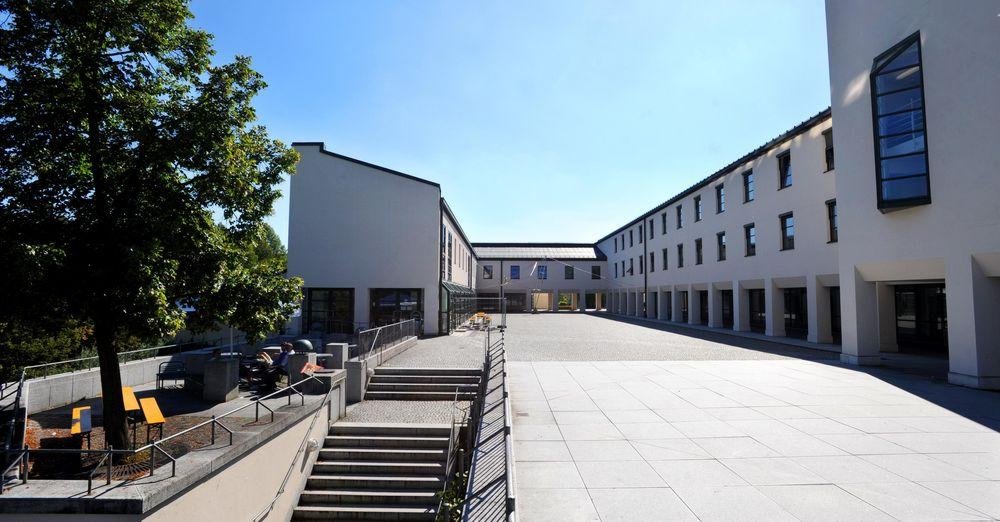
x=154, y=417
x=80, y=424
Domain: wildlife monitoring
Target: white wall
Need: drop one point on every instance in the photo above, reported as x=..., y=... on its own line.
x=463, y=261
x=955, y=238
x=355, y=226
x=556, y=280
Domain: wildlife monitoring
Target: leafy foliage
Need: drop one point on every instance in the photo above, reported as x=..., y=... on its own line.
x=120, y=141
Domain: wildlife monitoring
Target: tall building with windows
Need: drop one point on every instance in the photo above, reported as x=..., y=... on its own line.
x=872, y=227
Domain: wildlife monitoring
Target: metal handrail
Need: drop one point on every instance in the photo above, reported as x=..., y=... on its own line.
x=108, y=456
x=364, y=351
x=450, y=458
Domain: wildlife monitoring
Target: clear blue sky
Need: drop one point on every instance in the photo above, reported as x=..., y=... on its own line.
x=542, y=121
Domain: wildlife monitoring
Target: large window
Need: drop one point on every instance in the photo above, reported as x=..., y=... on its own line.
x=680, y=217
x=787, y=231
x=616, y=244
x=631, y=266
x=680, y=256
x=640, y=234
x=642, y=264
x=898, y=119
x=568, y=272
x=543, y=272
x=720, y=199
x=828, y=142
x=697, y=208
x=697, y=251
x=664, y=261
x=750, y=239
x=329, y=310
x=784, y=170
x=652, y=262
x=831, y=217
x=391, y=305
x=749, y=191
x=595, y=271
x=515, y=271
x=616, y=270
x=631, y=238
x=720, y=243
x=663, y=221
x=487, y=271
x=650, y=228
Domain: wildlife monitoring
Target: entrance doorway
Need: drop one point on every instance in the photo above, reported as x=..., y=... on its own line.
x=922, y=319
x=758, y=318
x=329, y=310
x=835, y=314
x=727, y=308
x=796, y=319
x=515, y=302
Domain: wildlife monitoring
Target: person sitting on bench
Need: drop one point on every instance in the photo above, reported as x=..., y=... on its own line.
x=278, y=366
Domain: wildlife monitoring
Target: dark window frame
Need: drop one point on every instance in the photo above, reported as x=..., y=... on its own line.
x=749, y=186
x=787, y=241
x=652, y=262
x=652, y=228
x=878, y=64
x=515, y=272
x=640, y=234
x=698, y=210
x=595, y=271
x=487, y=271
x=749, y=248
x=720, y=245
x=784, y=175
x=680, y=255
x=699, y=258
x=666, y=257
x=680, y=217
x=663, y=219
x=569, y=272
x=832, y=221
x=543, y=272
x=720, y=198
x=828, y=149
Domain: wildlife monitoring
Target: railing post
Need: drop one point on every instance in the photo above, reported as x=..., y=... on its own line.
x=213, y=429
x=111, y=458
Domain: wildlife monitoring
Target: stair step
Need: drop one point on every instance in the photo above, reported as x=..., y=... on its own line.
x=364, y=496
x=390, y=429
x=384, y=441
x=417, y=396
x=429, y=379
x=384, y=454
x=428, y=371
x=364, y=512
x=372, y=482
x=422, y=387
x=376, y=467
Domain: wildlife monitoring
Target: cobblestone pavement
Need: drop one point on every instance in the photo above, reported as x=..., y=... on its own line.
x=586, y=337
x=431, y=412
x=458, y=350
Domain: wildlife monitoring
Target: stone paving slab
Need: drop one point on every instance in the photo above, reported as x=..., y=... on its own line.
x=404, y=412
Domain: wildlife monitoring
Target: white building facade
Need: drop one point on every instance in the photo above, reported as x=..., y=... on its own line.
x=543, y=276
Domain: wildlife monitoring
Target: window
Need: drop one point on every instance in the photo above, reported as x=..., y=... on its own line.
x=697, y=251
x=664, y=262
x=515, y=271
x=543, y=272
x=697, y=208
x=787, y=231
x=663, y=222
x=623, y=268
x=616, y=270
x=451, y=248
x=595, y=272
x=568, y=274
x=749, y=192
x=828, y=141
x=487, y=271
x=642, y=263
x=631, y=266
x=720, y=199
x=750, y=239
x=652, y=262
x=650, y=228
x=616, y=244
x=831, y=217
x=631, y=238
x=680, y=256
x=640, y=234
x=623, y=241
x=784, y=170
x=897, y=86
x=720, y=243
x=680, y=217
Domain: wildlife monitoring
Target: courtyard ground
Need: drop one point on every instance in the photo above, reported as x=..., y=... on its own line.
x=616, y=420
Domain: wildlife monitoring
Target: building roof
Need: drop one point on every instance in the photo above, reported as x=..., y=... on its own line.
x=561, y=251
x=750, y=156
x=322, y=149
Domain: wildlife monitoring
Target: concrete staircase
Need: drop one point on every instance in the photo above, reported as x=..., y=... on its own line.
x=423, y=384
x=377, y=472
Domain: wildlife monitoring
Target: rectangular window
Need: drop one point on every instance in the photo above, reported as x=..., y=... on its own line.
x=451, y=248
x=631, y=238
x=595, y=272
x=680, y=217
x=831, y=217
x=697, y=251
x=623, y=241
x=897, y=86
x=720, y=199
x=543, y=272
x=749, y=191
x=616, y=244
x=640, y=234
x=487, y=271
x=720, y=243
x=697, y=208
x=663, y=222
x=642, y=264
x=652, y=262
x=664, y=262
x=680, y=256
x=616, y=270
x=750, y=239
x=515, y=272
x=568, y=272
x=828, y=142
x=650, y=228
x=787, y=231
x=631, y=266
x=784, y=170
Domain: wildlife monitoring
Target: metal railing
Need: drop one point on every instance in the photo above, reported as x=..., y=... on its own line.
x=23, y=454
x=453, y=457
x=382, y=337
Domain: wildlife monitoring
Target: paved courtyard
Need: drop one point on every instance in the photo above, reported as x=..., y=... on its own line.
x=688, y=428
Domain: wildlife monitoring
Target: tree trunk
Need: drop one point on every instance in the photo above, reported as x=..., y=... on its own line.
x=115, y=426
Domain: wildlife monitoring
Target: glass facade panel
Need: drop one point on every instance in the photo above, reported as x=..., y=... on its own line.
x=907, y=100
x=902, y=144
x=904, y=166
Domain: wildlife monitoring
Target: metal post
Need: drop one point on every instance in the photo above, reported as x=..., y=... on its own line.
x=213, y=430
x=111, y=457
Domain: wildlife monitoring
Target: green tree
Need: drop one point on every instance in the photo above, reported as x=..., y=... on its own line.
x=120, y=141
